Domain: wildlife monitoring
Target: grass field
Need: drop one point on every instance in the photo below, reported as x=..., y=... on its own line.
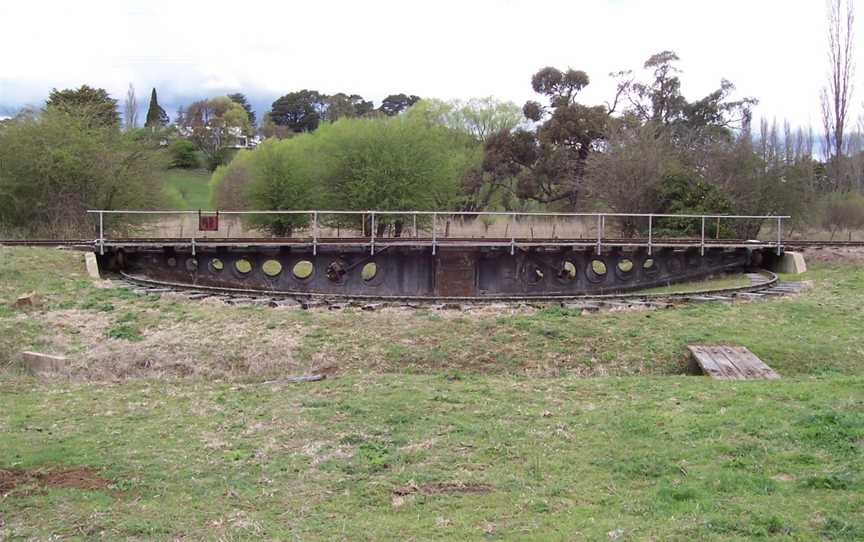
x=433, y=425
x=188, y=188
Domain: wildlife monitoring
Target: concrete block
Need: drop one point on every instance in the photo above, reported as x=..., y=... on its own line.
x=792, y=262
x=42, y=364
x=92, y=265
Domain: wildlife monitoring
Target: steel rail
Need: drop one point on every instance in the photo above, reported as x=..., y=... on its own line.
x=770, y=281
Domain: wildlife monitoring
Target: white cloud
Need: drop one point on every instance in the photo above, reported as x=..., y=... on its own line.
x=771, y=49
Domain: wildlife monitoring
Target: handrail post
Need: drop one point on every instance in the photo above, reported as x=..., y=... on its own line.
x=702, y=240
x=779, y=234
x=650, y=233
x=314, y=233
x=372, y=233
x=599, y=234
x=434, y=233
x=414, y=216
x=513, y=234
x=101, y=236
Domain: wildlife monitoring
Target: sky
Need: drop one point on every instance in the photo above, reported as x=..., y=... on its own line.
x=774, y=50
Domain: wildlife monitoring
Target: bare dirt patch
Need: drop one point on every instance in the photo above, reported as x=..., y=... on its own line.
x=438, y=488
x=407, y=495
x=75, y=478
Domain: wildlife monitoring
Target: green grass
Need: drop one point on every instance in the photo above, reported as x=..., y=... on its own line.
x=429, y=399
x=677, y=458
x=188, y=188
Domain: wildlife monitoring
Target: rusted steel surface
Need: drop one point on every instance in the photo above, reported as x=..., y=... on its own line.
x=449, y=272
x=456, y=273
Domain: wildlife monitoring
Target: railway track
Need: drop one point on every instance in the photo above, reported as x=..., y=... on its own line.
x=763, y=285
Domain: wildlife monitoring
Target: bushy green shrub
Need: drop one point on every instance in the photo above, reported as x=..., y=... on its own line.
x=54, y=166
x=182, y=152
x=393, y=163
x=682, y=192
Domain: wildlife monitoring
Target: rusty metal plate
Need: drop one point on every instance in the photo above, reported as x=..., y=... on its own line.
x=456, y=273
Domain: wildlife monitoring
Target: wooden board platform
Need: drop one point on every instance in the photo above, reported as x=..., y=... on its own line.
x=726, y=362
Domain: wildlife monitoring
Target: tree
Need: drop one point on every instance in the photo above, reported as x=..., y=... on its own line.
x=342, y=105
x=478, y=117
x=156, y=116
x=130, y=109
x=182, y=152
x=284, y=175
x=180, y=116
x=240, y=99
x=567, y=133
x=633, y=163
x=485, y=121
x=229, y=183
x=837, y=94
x=300, y=111
x=396, y=103
x=843, y=211
x=682, y=192
x=399, y=163
x=271, y=129
x=659, y=101
x=393, y=163
x=54, y=166
x=94, y=104
x=214, y=125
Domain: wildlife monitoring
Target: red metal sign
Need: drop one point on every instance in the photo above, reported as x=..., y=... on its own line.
x=208, y=222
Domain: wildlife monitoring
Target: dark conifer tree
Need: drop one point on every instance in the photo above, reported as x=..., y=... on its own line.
x=156, y=116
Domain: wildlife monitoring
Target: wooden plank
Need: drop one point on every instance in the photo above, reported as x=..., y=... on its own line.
x=730, y=371
x=706, y=362
x=758, y=366
x=746, y=370
x=727, y=362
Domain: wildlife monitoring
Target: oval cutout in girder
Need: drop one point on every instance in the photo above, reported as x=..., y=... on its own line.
x=243, y=266
x=271, y=268
x=625, y=265
x=369, y=271
x=568, y=271
x=303, y=269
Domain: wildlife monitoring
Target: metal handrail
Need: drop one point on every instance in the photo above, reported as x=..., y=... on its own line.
x=512, y=215
x=429, y=213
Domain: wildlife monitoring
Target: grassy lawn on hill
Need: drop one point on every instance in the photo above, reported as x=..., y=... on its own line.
x=188, y=188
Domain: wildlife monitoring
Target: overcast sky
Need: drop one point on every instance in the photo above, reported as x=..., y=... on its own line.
x=773, y=50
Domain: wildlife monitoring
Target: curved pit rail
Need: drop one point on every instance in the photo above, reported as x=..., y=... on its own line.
x=769, y=281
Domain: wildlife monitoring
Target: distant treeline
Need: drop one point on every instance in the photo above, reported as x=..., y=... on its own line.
x=647, y=149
